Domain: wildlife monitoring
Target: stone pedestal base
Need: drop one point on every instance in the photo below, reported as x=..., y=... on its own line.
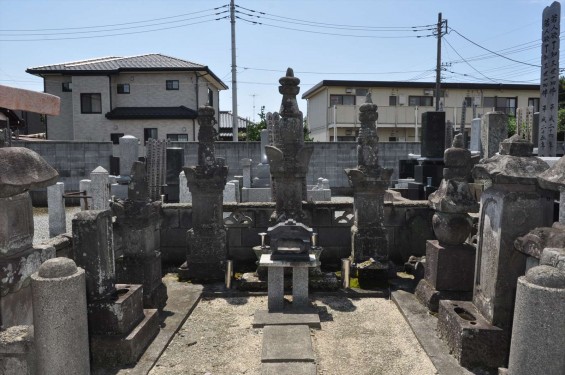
x=275, y=289
x=109, y=351
x=430, y=296
x=119, y=316
x=17, y=354
x=474, y=342
x=206, y=256
x=145, y=271
x=449, y=272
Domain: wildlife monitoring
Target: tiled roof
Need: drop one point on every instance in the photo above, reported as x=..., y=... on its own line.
x=153, y=62
x=107, y=64
x=138, y=113
x=226, y=121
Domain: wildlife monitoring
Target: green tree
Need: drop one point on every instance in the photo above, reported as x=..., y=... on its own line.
x=307, y=137
x=253, y=130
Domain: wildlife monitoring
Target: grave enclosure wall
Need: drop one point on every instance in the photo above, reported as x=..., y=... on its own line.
x=408, y=224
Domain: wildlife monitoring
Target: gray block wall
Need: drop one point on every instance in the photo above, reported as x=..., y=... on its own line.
x=329, y=159
x=73, y=160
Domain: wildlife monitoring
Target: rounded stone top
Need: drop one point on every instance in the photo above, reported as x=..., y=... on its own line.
x=546, y=276
x=128, y=137
x=57, y=267
x=22, y=169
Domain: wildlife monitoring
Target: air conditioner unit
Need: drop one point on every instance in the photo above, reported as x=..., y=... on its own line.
x=428, y=91
x=349, y=90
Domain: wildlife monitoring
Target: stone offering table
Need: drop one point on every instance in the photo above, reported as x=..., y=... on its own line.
x=276, y=281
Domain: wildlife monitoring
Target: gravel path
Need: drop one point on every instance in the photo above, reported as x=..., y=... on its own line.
x=41, y=222
x=365, y=336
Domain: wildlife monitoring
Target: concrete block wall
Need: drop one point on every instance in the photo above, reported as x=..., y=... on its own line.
x=73, y=160
x=329, y=159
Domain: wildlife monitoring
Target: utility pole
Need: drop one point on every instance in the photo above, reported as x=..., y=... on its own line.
x=233, y=74
x=253, y=96
x=438, y=61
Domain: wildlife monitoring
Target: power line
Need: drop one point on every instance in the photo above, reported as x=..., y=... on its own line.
x=118, y=28
x=328, y=73
x=493, y=52
x=117, y=24
x=334, y=34
x=332, y=24
x=115, y=34
x=471, y=66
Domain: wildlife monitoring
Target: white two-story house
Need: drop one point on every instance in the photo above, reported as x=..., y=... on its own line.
x=333, y=106
x=147, y=96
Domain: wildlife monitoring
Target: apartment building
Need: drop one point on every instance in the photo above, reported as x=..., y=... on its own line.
x=333, y=106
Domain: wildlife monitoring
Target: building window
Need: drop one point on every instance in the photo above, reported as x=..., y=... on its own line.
x=534, y=102
x=361, y=92
x=342, y=100
x=177, y=137
x=123, y=88
x=501, y=104
x=149, y=133
x=424, y=101
x=489, y=101
x=210, y=97
x=67, y=86
x=115, y=137
x=392, y=101
x=172, y=84
x=468, y=101
x=90, y=103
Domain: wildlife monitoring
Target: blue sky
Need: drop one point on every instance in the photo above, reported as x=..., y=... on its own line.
x=375, y=40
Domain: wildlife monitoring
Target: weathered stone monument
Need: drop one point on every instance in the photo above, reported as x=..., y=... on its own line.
x=119, y=328
x=478, y=333
x=369, y=180
x=288, y=157
x=494, y=129
x=21, y=169
x=450, y=261
x=207, y=252
x=156, y=159
x=138, y=227
x=549, y=87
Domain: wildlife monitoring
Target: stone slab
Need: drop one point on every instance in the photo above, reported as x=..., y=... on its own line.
x=267, y=262
x=423, y=325
x=287, y=344
x=288, y=368
x=450, y=267
x=287, y=317
x=430, y=296
x=119, y=316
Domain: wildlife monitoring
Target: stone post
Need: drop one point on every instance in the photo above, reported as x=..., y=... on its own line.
x=56, y=206
x=246, y=165
x=264, y=142
x=494, y=129
x=475, y=134
x=94, y=252
x=206, y=240
x=288, y=157
x=369, y=180
x=100, y=189
x=84, y=186
x=60, y=318
x=184, y=192
x=129, y=153
x=538, y=332
x=156, y=166
x=450, y=262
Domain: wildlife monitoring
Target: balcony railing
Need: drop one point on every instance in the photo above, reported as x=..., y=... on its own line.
x=348, y=115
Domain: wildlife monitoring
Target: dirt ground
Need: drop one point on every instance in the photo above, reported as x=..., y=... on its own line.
x=366, y=336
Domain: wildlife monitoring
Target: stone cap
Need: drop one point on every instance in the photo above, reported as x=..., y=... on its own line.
x=57, y=267
x=554, y=177
x=514, y=164
x=22, y=169
x=546, y=276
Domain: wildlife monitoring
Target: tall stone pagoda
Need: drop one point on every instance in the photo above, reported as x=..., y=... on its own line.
x=206, y=240
x=369, y=181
